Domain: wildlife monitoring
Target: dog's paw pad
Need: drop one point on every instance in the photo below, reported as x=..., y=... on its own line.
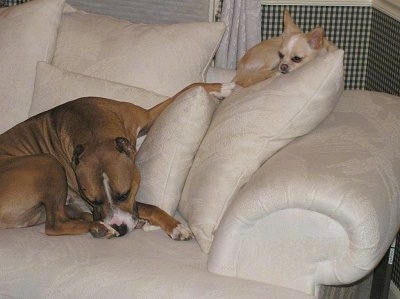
x=103, y=230
x=226, y=90
x=181, y=233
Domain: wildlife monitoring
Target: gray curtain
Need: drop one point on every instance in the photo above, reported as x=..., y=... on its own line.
x=148, y=11
x=243, y=30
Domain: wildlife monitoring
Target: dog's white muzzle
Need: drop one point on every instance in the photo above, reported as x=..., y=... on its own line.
x=118, y=219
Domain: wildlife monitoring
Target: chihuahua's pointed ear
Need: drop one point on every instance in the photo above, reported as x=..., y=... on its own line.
x=316, y=38
x=289, y=25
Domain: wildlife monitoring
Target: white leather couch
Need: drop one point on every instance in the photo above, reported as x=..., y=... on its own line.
x=288, y=186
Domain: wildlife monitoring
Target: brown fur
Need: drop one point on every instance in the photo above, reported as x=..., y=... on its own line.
x=66, y=150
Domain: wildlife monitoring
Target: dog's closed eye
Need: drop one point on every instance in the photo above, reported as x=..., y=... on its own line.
x=122, y=196
x=281, y=55
x=297, y=59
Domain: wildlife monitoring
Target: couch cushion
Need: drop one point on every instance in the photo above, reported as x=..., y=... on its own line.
x=28, y=34
x=138, y=265
x=249, y=127
x=54, y=86
x=161, y=58
x=167, y=153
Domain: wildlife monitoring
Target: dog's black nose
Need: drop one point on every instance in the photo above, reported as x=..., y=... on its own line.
x=284, y=68
x=121, y=229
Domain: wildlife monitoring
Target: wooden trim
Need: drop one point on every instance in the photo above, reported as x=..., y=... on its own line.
x=389, y=7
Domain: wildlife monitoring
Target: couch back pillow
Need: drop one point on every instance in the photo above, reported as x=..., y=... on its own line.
x=28, y=34
x=167, y=153
x=161, y=58
x=250, y=126
x=55, y=86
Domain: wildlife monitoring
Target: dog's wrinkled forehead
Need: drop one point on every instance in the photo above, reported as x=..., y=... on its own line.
x=115, y=158
x=97, y=153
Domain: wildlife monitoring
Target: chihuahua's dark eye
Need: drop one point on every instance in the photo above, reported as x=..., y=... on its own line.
x=281, y=55
x=297, y=59
x=122, y=197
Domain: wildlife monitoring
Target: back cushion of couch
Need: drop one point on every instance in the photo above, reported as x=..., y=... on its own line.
x=28, y=34
x=55, y=86
x=160, y=58
x=167, y=153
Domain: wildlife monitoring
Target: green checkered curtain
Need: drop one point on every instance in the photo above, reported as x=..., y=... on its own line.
x=383, y=70
x=11, y=2
x=346, y=26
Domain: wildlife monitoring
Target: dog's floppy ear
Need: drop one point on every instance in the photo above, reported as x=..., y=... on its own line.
x=78, y=151
x=123, y=145
x=316, y=38
x=289, y=25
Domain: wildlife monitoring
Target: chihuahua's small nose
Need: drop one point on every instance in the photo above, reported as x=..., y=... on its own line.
x=284, y=68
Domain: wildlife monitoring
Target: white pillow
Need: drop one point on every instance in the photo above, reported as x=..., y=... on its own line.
x=54, y=86
x=249, y=127
x=161, y=58
x=28, y=34
x=167, y=153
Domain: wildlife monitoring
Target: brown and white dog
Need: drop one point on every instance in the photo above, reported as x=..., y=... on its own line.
x=84, y=147
x=282, y=54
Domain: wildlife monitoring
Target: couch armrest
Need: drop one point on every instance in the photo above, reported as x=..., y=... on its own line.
x=323, y=210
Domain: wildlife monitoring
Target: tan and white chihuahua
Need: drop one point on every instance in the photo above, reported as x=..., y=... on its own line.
x=282, y=54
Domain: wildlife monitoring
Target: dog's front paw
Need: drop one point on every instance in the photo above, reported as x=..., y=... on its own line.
x=181, y=233
x=103, y=230
x=225, y=91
